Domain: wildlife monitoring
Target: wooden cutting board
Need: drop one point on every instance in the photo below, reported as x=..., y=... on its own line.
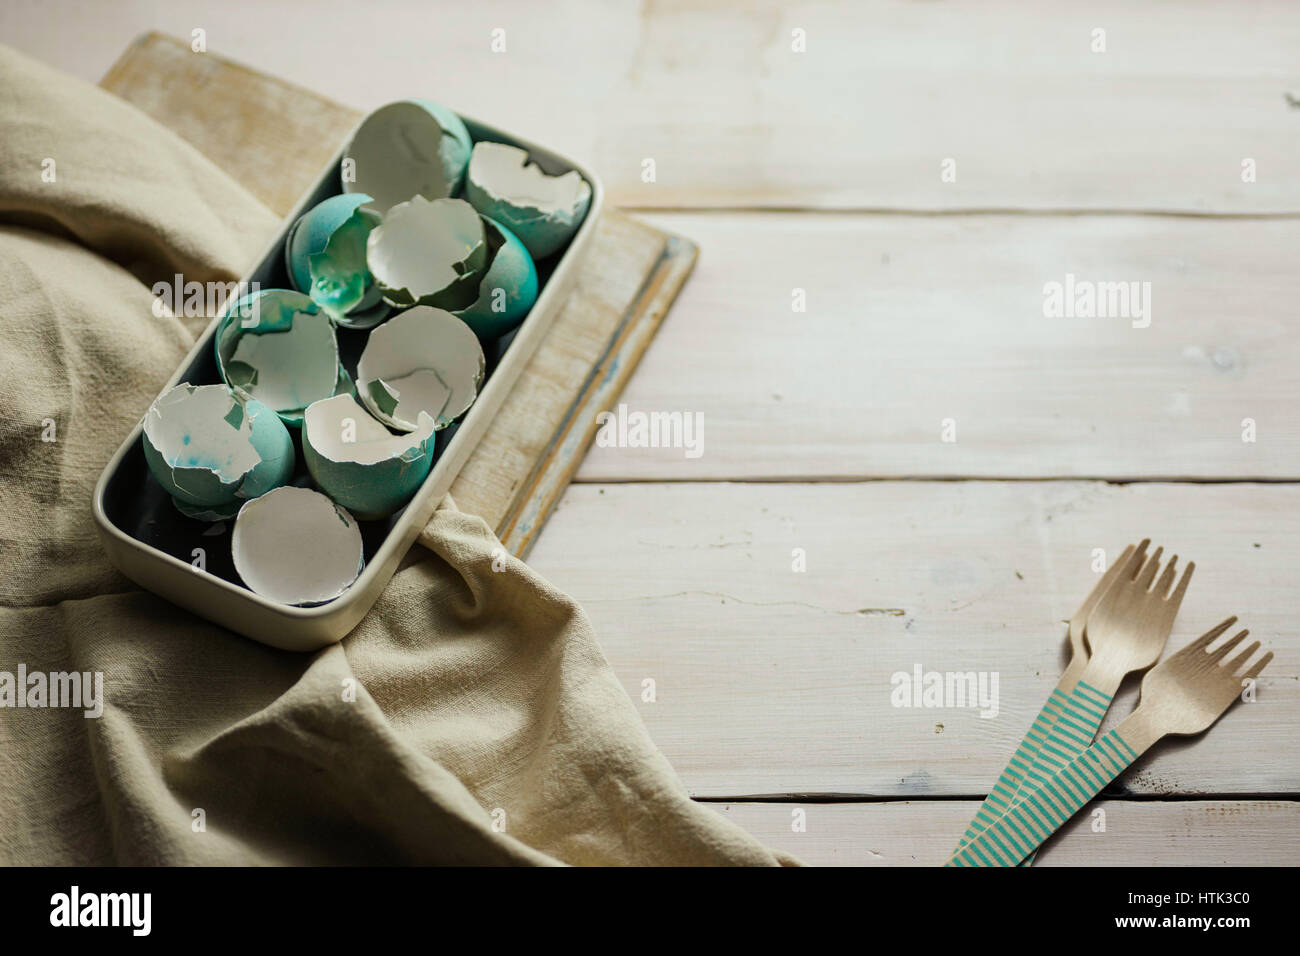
x=275, y=137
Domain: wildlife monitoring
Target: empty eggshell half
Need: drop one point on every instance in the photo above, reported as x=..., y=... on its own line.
x=212, y=451
x=408, y=148
x=360, y=463
x=429, y=253
x=543, y=211
x=325, y=254
x=422, y=360
x=295, y=546
x=277, y=347
x=509, y=287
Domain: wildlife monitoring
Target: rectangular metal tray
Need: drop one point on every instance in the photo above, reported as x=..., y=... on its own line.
x=153, y=544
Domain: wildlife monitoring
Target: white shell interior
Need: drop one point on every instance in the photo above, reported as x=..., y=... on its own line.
x=420, y=244
x=395, y=152
x=330, y=423
x=504, y=173
x=296, y=546
x=189, y=427
x=295, y=367
x=428, y=360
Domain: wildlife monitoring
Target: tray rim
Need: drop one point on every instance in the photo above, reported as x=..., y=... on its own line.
x=461, y=445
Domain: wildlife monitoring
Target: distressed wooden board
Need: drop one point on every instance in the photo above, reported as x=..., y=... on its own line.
x=1138, y=833
x=714, y=93
x=914, y=319
x=275, y=138
x=769, y=681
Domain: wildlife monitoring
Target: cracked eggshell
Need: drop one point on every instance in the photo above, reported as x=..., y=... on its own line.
x=422, y=360
x=360, y=463
x=277, y=347
x=543, y=211
x=429, y=253
x=325, y=255
x=508, y=289
x=295, y=546
x=405, y=149
x=212, y=451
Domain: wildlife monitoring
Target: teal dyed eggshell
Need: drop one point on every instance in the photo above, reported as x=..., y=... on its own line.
x=371, y=490
x=368, y=489
x=276, y=309
x=455, y=147
x=543, y=232
x=313, y=230
x=512, y=270
x=199, y=487
x=273, y=442
x=406, y=148
x=193, y=477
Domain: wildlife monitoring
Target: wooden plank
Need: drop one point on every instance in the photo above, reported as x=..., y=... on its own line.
x=1156, y=833
x=274, y=138
x=912, y=320
x=733, y=117
x=771, y=681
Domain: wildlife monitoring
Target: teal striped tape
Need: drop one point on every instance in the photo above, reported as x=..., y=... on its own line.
x=1041, y=813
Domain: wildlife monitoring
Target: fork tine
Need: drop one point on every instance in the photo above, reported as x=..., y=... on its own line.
x=1206, y=639
x=1135, y=560
x=1149, y=570
x=1177, y=597
x=1221, y=652
x=1167, y=578
x=1239, y=661
x=1254, y=671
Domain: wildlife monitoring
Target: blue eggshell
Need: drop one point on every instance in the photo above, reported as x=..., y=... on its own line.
x=272, y=441
x=513, y=271
x=454, y=148
x=312, y=231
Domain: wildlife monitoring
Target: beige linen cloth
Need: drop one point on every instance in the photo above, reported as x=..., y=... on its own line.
x=483, y=698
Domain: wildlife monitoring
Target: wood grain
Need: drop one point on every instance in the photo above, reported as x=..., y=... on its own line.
x=714, y=92
x=771, y=681
x=1158, y=833
x=275, y=138
x=912, y=320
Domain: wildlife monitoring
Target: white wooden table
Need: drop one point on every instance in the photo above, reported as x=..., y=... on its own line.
x=1173, y=157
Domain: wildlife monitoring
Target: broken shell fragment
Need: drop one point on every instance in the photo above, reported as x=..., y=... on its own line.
x=422, y=360
x=360, y=463
x=211, y=451
x=277, y=347
x=295, y=546
x=543, y=211
x=509, y=287
x=325, y=254
x=429, y=253
x=408, y=148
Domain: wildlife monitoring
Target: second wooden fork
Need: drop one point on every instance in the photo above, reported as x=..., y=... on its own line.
x=1184, y=694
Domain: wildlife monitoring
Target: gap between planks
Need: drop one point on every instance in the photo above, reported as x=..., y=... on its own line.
x=1106, y=795
x=1059, y=212
x=865, y=479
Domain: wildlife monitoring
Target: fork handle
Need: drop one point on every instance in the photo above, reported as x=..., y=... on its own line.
x=1040, y=814
x=1072, y=733
x=1055, y=745
x=1005, y=792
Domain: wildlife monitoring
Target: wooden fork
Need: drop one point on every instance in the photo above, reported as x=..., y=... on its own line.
x=1184, y=695
x=1126, y=632
x=1003, y=795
